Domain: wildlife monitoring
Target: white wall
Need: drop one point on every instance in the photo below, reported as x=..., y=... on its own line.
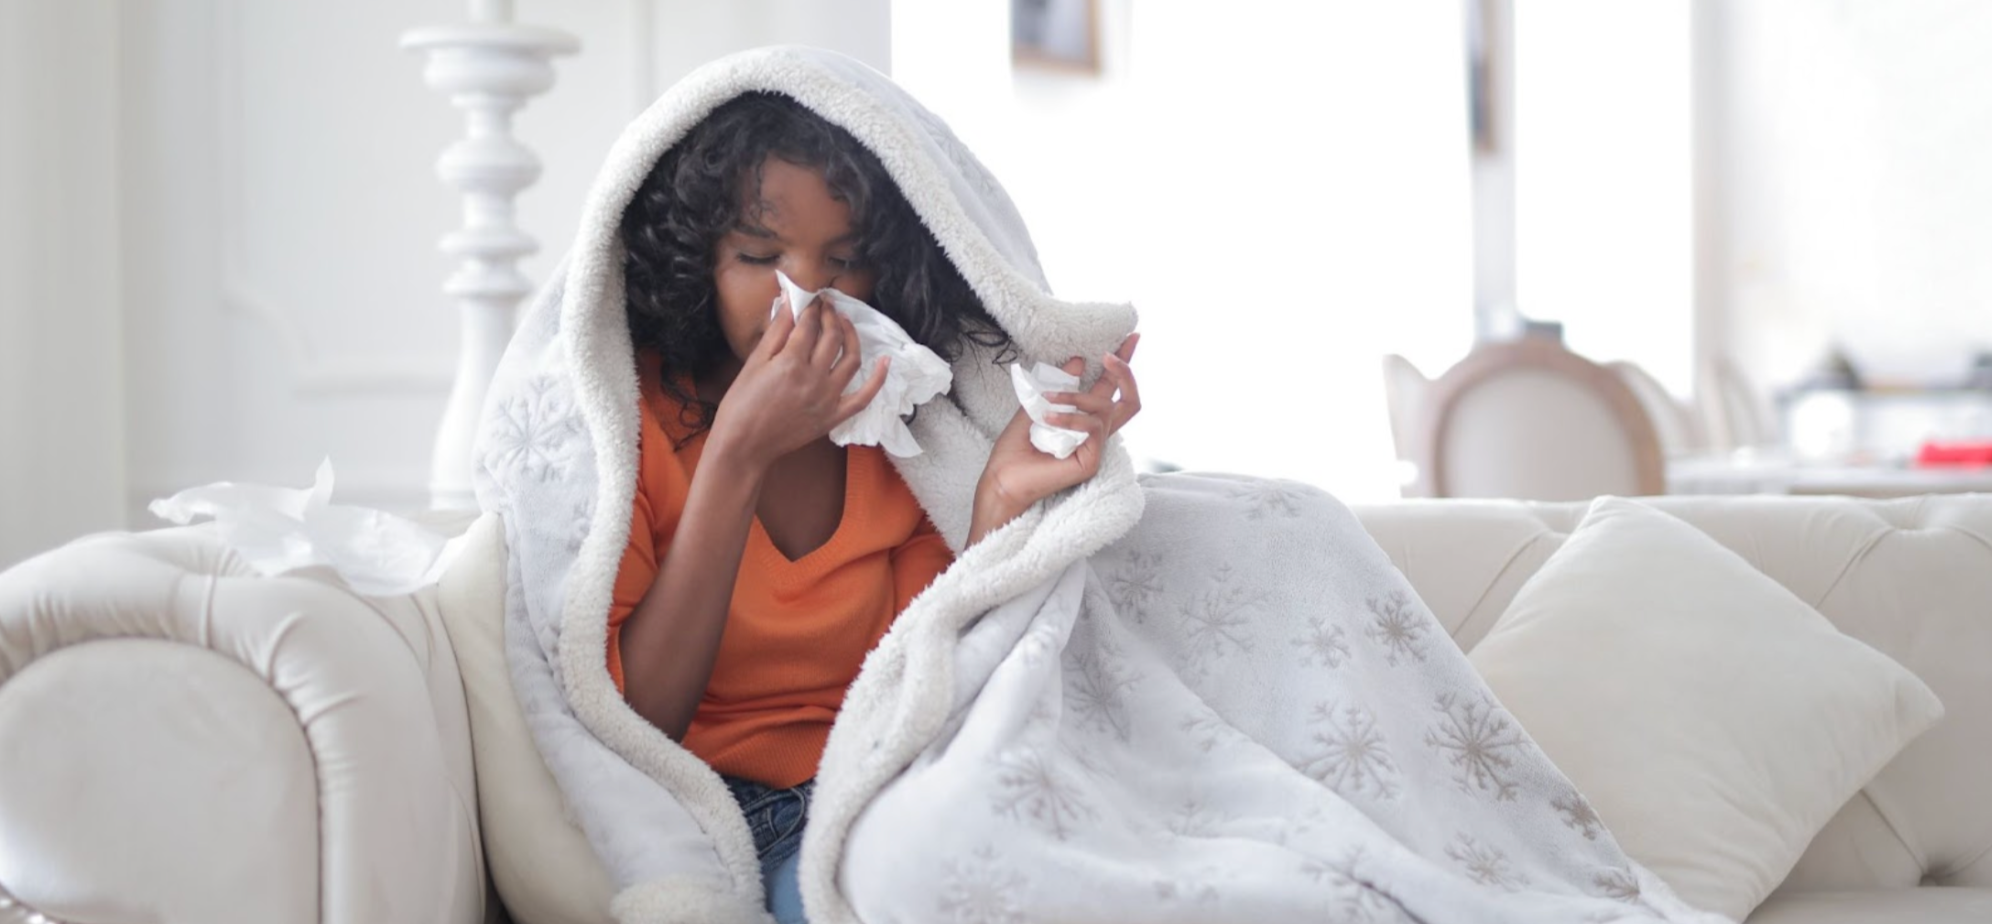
x=280, y=223
x=253, y=187
x=62, y=440
x=225, y=265
x=1853, y=205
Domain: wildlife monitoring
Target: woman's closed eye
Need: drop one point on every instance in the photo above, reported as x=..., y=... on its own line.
x=846, y=264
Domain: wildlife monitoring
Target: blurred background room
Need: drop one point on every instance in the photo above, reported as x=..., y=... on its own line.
x=1524, y=248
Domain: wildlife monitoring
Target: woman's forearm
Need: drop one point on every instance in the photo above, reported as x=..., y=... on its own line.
x=670, y=641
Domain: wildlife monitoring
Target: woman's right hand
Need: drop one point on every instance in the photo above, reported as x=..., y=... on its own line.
x=790, y=391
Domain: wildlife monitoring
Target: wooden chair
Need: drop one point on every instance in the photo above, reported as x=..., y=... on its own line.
x=1532, y=420
x=1680, y=433
x=1734, y=411
x=1404, y=392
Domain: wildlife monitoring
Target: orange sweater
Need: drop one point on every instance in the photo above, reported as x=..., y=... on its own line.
x=796, y=631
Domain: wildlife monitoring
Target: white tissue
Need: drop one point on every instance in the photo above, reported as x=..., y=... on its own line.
x=914, y=378
x=280, y=530
x=1031, y=386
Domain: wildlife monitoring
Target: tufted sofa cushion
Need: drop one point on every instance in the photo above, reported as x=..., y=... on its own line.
x=204, y=744
x=188, y=741
x=1910, y=577
x=1877, y=906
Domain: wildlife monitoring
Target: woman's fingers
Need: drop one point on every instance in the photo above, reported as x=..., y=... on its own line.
x=808, y=328
x=1115, y=398
x=1106, y=384
x=1087, y=456
x=856, y=401
x=1085, y=423
x=776, y=336
x=847, y=362
x=835, y=337
x=1122, y=375
x=1089, y=401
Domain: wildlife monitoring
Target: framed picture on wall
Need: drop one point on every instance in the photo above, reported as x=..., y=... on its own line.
x=1056, y=34
x=1480, y=65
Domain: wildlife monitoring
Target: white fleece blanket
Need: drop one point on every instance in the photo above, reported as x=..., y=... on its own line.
x=1174, y=699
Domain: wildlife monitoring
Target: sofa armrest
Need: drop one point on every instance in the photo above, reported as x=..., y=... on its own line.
x=185, y=740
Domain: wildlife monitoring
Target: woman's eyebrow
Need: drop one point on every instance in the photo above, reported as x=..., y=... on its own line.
x=756, y=231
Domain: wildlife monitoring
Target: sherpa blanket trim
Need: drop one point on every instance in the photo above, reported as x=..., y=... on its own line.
x=962, y=672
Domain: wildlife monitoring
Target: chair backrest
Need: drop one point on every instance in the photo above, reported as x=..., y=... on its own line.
x=1532, y=420
x=1680, y=434
x=1404, y=392
x=1734, y=412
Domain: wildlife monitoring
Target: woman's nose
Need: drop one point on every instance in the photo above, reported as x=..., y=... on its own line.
x=813, y=275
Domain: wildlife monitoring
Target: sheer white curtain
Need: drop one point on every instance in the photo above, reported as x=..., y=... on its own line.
x=1281, y=188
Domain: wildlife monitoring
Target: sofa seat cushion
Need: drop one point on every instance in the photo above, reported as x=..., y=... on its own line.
x=1930, y=905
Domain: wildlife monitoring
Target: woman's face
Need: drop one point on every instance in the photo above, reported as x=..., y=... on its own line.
x=796, y=226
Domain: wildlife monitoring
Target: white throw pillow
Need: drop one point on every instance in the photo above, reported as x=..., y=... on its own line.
x=1714, y=720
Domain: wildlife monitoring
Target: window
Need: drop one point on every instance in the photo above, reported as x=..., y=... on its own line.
x=1603, y=179
x=1280, y=188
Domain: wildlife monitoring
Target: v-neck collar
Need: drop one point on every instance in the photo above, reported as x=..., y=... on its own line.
x=857, y=468
x=787, y=573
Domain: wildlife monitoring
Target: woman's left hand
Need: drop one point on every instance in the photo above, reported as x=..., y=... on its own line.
x=1019, y=475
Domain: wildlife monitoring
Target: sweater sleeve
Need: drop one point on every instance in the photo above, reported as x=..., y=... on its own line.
x=917, y=562
x=633, y=577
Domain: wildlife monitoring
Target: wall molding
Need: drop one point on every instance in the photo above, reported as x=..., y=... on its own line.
x=313, y=372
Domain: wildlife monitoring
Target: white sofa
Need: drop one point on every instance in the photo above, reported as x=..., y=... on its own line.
x=183, y=741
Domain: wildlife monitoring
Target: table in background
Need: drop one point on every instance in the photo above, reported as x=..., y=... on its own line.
x=1773, y=473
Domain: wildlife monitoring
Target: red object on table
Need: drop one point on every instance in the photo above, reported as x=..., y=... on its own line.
x=1973, y=454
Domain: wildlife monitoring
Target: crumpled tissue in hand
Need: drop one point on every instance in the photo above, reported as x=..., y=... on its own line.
x=1031, y=386
x=915, y=377
x=280, y=530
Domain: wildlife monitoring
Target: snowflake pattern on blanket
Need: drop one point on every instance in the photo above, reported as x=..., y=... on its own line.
x=1197, y=698
x=1250, y=716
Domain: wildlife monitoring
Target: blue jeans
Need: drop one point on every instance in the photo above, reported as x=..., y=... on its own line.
x=776, y=817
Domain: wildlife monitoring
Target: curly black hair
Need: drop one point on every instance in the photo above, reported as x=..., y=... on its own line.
x=695, y=195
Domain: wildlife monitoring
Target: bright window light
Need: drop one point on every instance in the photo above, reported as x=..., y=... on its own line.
x=1603, y=181
x=1280, y=188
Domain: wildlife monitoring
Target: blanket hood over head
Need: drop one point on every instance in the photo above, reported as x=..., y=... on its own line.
x=558, y=457
x=1184, y=698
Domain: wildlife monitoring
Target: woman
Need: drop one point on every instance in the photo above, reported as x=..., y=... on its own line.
x=765, y=561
